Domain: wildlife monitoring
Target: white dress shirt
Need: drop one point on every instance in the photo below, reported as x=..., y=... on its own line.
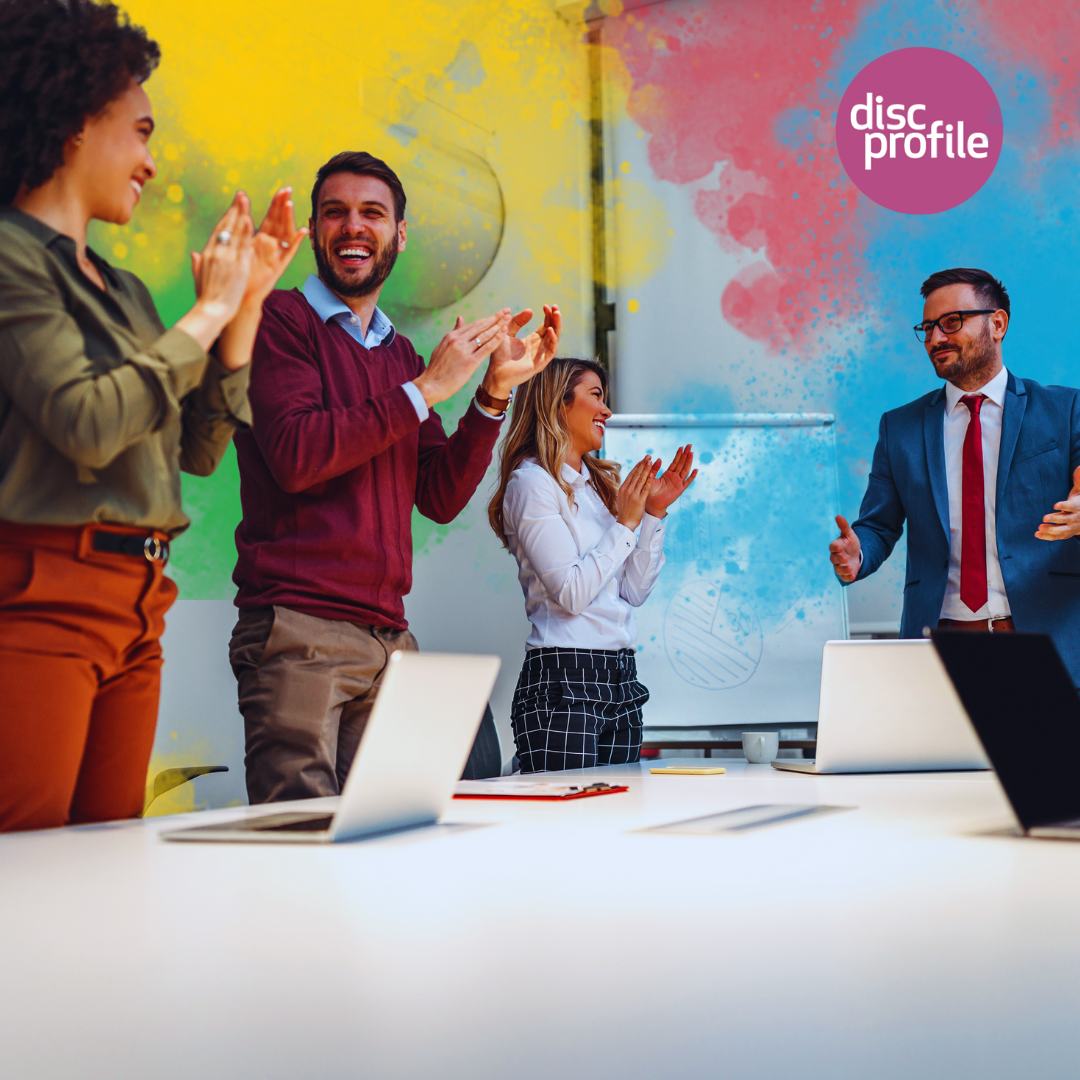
x=582, y=572
x=957, y=418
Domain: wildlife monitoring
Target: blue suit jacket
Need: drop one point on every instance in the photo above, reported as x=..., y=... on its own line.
x=1040, y=447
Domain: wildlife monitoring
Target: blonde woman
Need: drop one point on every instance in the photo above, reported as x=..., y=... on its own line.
x=588, y=552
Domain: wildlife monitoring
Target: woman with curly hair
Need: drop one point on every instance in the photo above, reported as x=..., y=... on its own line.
x=100, y=409
x=571, y=527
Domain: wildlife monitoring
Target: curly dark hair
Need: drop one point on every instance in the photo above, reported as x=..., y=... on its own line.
x=61, y=61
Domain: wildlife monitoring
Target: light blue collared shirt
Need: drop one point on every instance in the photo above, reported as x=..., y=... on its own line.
x=330, y=307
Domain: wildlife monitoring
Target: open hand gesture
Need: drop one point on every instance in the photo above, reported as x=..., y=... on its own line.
x=675, y=480
x=635, y=491
x=846, y=552
x=222, y=269
x=1065, y=522
x=272, y=247
x=517, y=360
x=459, y=354
x=276, y=243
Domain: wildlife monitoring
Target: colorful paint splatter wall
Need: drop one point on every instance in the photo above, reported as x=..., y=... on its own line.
x=747, y=272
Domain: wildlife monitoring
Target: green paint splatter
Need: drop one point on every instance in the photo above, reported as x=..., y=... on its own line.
x=203, y=558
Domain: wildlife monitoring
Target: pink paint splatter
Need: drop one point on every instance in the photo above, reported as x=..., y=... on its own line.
x=1043, y=36
x=743, y=86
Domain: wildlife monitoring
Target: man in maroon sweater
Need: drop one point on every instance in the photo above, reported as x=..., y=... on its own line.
x=343, y=444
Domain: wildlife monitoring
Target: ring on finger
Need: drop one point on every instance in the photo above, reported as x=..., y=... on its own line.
x=224, y=237
x=476, y=342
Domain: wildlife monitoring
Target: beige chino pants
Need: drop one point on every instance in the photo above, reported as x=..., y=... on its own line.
x=306, y=687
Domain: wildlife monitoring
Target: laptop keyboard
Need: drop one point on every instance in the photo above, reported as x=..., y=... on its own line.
x=318, y=824
x=292, y=822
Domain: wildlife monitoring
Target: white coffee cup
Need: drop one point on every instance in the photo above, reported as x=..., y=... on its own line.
x=760, y=747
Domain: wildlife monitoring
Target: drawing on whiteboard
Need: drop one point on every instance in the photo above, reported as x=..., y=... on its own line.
x=712, y=636
x=733, y=631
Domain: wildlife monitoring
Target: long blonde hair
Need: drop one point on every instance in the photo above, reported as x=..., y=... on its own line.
x=538, y=430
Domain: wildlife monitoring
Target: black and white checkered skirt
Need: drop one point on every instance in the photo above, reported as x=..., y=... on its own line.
x=576, y=708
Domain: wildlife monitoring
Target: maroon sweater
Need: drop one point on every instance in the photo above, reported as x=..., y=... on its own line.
x=334, y=462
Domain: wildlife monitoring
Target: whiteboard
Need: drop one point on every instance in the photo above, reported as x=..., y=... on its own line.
x=732, y=633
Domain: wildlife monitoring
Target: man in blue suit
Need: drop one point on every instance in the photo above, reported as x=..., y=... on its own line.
x=973, y=468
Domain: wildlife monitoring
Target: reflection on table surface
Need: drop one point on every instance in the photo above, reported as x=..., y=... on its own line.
x=913, y=935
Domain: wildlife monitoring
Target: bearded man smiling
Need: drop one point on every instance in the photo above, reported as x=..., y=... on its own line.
x=344, y=442
x=985, y=474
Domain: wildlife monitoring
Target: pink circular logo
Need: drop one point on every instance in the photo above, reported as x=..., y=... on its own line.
x=919, y=130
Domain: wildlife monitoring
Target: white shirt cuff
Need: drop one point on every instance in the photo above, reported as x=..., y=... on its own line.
x=652, y=530
x=483, y=412
x=417, y=398
x=620, y=542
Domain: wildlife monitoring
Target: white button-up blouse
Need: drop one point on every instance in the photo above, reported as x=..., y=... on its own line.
x=582, y=572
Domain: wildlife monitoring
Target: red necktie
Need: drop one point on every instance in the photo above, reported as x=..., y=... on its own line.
x=973, y=513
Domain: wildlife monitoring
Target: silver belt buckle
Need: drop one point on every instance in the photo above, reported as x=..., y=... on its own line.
x=995, y=618
x=155, y=550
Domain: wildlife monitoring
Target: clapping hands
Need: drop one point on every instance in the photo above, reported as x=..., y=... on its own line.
x=275, y=244
x=222, y=269
x=272, y=247
x=518, y=359
x=268, y=253
x=676, y=479
x=643, y=492
x=634, y=492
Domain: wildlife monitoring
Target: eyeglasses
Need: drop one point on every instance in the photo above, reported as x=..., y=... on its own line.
x=948, y=323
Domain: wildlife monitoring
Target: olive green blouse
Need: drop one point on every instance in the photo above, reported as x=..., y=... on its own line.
x=100, y=405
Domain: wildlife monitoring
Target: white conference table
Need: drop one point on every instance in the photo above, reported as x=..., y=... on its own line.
x=907, y=938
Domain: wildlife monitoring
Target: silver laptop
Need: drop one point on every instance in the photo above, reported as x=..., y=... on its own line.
x=411, y=754
x=888, y=706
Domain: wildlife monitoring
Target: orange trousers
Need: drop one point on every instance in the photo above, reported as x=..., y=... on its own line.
x=80, y=674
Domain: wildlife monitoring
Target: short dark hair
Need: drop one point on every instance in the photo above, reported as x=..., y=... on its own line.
x=360, y=163
x=989, y=290
x=61, y=61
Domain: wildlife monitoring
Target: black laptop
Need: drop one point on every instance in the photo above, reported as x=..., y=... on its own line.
x=1023, y=704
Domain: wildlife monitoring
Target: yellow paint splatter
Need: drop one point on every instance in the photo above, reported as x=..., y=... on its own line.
x=180, y=800
x=475, y=81
x=120, y=251
x=624, y=167
x=632, y=306
x=642, y=233
x=251, y=88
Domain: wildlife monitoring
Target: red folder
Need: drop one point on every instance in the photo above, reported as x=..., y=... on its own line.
x=532, y=790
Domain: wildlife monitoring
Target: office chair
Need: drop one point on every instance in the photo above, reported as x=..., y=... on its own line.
x=485, y=758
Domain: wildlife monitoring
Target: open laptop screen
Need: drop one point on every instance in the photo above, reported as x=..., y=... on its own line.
x=1022, y=702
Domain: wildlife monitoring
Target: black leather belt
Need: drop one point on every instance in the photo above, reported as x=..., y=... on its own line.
x=995, y=624
x=139, y=547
